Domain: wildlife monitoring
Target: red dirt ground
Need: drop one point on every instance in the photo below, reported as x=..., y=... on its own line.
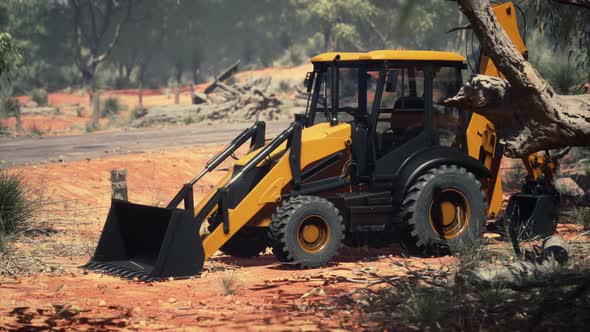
x=268, y=296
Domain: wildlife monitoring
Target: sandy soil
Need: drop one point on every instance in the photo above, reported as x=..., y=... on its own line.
x=267, y=295
x=259, y=293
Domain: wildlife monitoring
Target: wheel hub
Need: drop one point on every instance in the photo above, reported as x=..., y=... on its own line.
x=449, y=213
x=313, y=233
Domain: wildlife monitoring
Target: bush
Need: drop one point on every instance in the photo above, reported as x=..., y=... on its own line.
x=39, y=96
x=9, y=107
x=110, y=107
x=91, y=127
x=16, y=205
x=188, y=120
x=137, y=113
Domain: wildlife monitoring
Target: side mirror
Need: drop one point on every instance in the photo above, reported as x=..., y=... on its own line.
x=308, y=82
x=391, y=81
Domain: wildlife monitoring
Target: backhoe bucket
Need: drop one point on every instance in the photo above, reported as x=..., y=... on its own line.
x=531, y=215
x=148, y=243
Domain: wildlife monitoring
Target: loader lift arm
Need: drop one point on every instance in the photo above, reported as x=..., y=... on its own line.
x=255, y=134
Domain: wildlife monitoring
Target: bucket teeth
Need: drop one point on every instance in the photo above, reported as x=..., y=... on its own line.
x=116, y=270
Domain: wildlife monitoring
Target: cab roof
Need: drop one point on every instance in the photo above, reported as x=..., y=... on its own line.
x=390, y=55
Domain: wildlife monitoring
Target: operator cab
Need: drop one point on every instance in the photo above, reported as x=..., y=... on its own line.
x=392, y=99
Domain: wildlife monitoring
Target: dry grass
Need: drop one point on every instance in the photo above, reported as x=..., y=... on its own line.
x=579, y=215
x=58, y=237
x=449, y=299
x=17, y=206
x=229, y=283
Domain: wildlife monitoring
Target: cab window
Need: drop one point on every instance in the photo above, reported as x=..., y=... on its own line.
x=401, y=112
x=446, y=120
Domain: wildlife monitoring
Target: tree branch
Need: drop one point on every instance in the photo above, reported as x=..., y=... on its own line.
x=98, y=59
x=75, y=4
x=578, y=3
x=107, y=18
x=526, y=112
x=95, y=39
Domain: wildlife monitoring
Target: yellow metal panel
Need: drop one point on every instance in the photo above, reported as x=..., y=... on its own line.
x=317, y=142
x=506, y=15
x=344, y=56
x=390, y=55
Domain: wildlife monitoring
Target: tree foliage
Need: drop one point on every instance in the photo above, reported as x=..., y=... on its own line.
x=567, y=26
x=10, y=55
x=182, y=41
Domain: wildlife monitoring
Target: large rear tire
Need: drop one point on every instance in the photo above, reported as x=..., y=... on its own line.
x=444, y=209
x=306, y=231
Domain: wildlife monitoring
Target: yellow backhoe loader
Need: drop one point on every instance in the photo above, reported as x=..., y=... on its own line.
x=375, y=155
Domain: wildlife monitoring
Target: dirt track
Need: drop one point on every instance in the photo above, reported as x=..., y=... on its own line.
x=77, y=147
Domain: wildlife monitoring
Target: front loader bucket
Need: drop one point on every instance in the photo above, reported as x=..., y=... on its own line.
x=148, y=243
x=531, y=215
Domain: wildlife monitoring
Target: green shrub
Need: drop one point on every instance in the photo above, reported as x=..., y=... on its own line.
x=9, y=107
x=91, y=127
x=16, y=205
x=137, y=113
x=188, y=120
x=284, y=86
x=110, y=107
x=39, y=96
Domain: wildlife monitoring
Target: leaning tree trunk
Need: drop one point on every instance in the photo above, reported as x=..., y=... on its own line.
x=527, y=113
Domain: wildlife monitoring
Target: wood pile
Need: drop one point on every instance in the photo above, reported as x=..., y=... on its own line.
x=247, y=101
x=221, y=101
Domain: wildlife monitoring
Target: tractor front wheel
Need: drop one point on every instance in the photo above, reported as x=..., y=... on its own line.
x=306, y=231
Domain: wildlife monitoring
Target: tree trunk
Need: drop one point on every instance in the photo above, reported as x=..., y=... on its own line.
x=95, y=104
x=17, y=119
x=527, y=113
x=178, y=78
x=140, y=94
x=460, y=41
x=195, y=71
x=140, y=77
x=177, y=93
x=328, y=38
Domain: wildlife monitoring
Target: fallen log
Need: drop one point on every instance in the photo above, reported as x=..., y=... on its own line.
x=224, y=76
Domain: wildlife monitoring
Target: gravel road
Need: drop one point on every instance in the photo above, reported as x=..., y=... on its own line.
x=22, y=151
